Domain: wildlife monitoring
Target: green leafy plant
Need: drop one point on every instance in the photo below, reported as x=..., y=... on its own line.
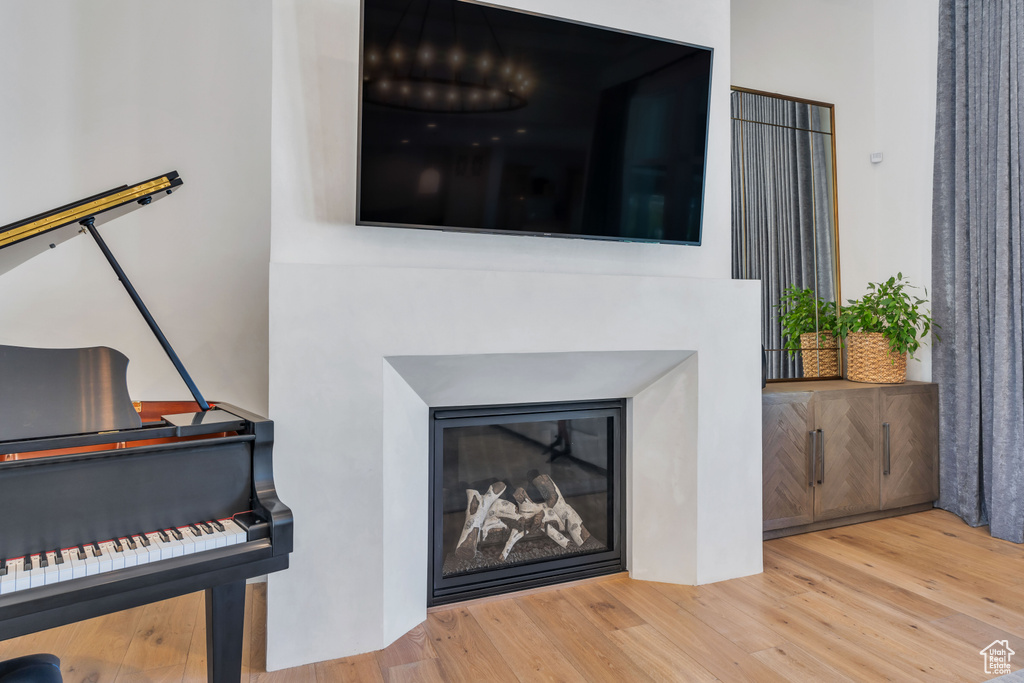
x=801, y=311
x=889, y=308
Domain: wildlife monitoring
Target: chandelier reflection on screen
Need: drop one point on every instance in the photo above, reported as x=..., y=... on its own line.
x=432, y=72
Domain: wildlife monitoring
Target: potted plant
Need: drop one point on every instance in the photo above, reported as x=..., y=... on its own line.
x=881, y=329
x=808, y=326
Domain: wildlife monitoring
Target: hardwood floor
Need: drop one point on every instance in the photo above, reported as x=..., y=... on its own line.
x=910, y=598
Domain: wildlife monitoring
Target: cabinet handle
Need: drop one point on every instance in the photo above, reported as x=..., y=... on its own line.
x=821, y=449
x=886, y=458
x=814, y=455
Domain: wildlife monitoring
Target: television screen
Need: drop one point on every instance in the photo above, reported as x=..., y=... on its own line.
x=485, y=119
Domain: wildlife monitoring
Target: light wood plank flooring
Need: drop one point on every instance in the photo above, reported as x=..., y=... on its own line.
x=906, y=599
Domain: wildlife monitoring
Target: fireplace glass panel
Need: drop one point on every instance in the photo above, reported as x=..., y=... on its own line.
x=519, y=492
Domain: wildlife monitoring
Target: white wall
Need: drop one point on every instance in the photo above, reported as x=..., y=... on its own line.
x=876, y=62
x=109, y=92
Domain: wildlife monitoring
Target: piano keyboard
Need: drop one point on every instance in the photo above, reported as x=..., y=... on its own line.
x=54, y=566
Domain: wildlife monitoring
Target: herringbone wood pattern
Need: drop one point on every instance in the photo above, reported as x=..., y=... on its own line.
x=787, y=499
x=849, y=423
x=913, y=447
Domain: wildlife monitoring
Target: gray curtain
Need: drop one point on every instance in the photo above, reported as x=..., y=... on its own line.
x=977, y=272
x=782, y=215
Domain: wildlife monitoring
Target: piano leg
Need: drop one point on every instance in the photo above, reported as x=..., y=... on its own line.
x=225, y=621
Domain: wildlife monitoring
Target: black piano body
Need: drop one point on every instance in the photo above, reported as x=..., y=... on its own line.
x=81, y=467
x=64, y=492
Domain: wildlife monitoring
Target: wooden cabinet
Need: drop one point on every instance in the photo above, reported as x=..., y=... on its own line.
x=839, y=452
x=910, y=445
x=788, y=498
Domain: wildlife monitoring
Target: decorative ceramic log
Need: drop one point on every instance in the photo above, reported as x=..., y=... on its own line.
x=556, y=536
x=536, y=513
x=476, y=515
x=492, y=523
x=513, y=538
x=505, y=509
x=526, y=506
x=500, y=510
x=553, y=499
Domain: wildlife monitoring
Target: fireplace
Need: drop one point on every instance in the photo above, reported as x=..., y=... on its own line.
x=523, y=496
x=470, y=338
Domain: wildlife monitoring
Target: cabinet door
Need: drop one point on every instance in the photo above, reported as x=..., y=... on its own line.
x=850, y=462
x=787, y=496
x=912, y=476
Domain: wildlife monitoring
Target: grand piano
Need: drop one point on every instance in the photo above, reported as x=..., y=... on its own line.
x=109, y=504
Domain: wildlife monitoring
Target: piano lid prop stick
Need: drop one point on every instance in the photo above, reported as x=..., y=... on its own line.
x=90, y=225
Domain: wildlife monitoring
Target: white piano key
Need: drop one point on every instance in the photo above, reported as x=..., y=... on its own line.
x=177, y=547
x=106, y=564
x=198, y=538
x=220, y=538
x=130, y=557
x=92, y=562
x=64, y=570
x=23, y=581
x=37, y=575
x=8, y=581
x=165, y=548
x=187, y=540
x=208, y=538
x=79, y=569
x=51, y=573
x=111, y=555
x=118, y=554
x=141, y=551
x=146, y=553
x=107, y=557
x=236, y=534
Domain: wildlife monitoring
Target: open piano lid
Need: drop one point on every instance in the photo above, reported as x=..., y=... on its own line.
x=56, y=392
x=26, y=238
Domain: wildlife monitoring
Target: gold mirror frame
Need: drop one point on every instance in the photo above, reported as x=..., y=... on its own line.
x=770, y=249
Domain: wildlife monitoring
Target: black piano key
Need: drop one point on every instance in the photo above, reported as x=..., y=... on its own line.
x=58, y=556
x=206, y=527
x=81, y=552
x=177, y=534
x=3, y=567
x=217, y=525
x=43, y=562
x=195, y=530
x=145, y=540
x=96, y=549
x=117, y=546
x=131, y=543
x=163, y=536
x=28, y=563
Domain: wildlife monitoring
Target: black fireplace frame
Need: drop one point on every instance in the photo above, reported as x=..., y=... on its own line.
x=442, y=591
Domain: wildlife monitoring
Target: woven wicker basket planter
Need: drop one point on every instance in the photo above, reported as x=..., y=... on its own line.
x=868, y=359
x=820, y=356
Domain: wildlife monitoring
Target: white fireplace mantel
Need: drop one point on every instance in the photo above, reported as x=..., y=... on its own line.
x=359, y=355
x=662, y=493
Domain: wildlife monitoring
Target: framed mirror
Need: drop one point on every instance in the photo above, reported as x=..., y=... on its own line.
x=785, y=229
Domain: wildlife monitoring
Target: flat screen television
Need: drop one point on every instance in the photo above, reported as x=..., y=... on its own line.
x=483, y=119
